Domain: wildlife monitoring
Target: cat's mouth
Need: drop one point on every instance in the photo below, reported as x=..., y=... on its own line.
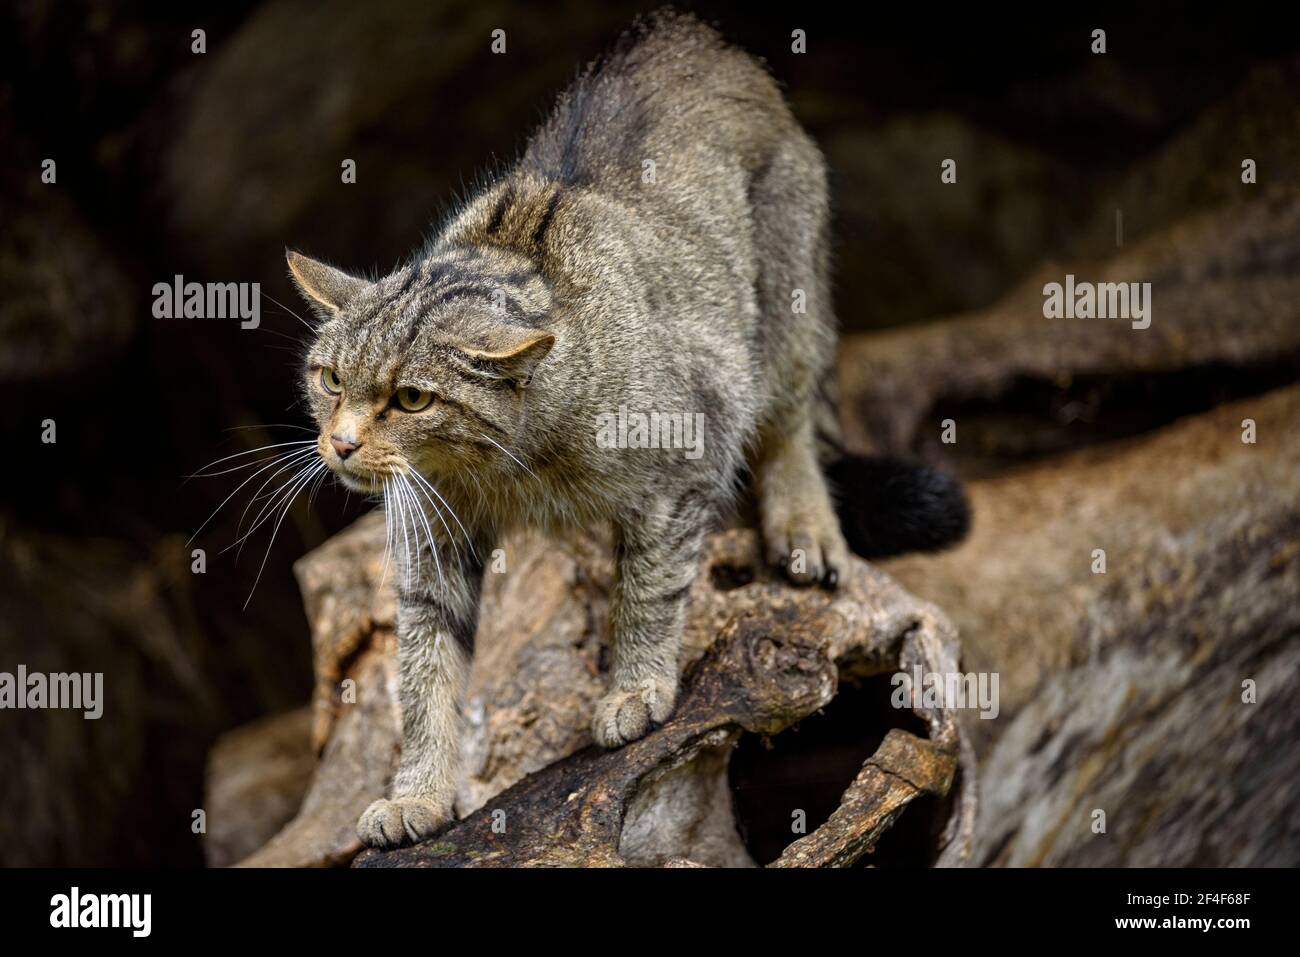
x=367, y=483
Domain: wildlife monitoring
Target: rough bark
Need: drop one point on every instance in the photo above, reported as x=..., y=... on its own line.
x=1123, y=691
x=759, y=657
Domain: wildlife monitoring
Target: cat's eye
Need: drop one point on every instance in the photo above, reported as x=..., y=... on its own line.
x=330, y=381
x=413, y=400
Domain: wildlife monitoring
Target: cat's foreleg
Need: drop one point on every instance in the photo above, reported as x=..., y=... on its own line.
x=657, y=558
x=436, y=620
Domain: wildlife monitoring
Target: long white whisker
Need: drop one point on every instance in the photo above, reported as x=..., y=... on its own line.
x=433, y=542
x=399, y=522
x=311, y=496
x=468, y=539
x=451, y=539
x=246, y=465
x=264, y=448
x=437, y=557
x=287, y=489
x=236, y=491
x=406, y=539
x=309, y=326
x=271, y=425
x=269, y=545
x=388, y=533
x=509, y=453
x=300, y=462
x=415, y=525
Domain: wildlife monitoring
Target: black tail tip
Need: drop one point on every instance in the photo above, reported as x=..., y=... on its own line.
x=888, y=506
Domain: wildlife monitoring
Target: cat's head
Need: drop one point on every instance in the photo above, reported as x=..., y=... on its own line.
x=426, y=368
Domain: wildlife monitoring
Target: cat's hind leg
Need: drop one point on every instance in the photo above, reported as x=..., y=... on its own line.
x=796, y=337
x=801, y=531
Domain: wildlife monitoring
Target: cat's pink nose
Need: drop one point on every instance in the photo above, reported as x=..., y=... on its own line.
x=343, y=447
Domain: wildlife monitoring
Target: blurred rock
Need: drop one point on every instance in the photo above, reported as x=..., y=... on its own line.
x=1200, y=168
x=354, y=769
x=1123, y=691
x=1225, y=295
x=909, y=246
x=251, y=139
x=65, y=304
x=96, y=606
x=104, y=62
x=255, y=782
x=1137, y=97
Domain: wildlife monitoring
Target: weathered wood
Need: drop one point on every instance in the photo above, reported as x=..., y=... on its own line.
x=902, y=769
x=759, y=657
x=1123, y=692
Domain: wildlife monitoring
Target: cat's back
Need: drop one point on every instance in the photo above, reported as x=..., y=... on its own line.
x=672, y=99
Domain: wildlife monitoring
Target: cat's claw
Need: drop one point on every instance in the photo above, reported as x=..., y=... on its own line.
x=625, y=714
x=388, y=824
x=809, y=551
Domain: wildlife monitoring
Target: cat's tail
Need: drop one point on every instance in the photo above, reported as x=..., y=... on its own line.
x=889, y=506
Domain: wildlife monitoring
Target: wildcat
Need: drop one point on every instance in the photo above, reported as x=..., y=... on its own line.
x=661, y=245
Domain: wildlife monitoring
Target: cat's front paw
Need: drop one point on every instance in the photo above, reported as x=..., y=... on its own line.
x=625, y=714
x=387, y=824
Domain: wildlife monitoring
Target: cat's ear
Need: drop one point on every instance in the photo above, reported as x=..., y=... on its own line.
x=514, y=352
x=322, y=284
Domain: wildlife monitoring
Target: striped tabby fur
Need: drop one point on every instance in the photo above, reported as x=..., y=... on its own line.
x=583, y=280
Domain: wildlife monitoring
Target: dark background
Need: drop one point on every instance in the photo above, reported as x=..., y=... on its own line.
x=210, y=165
